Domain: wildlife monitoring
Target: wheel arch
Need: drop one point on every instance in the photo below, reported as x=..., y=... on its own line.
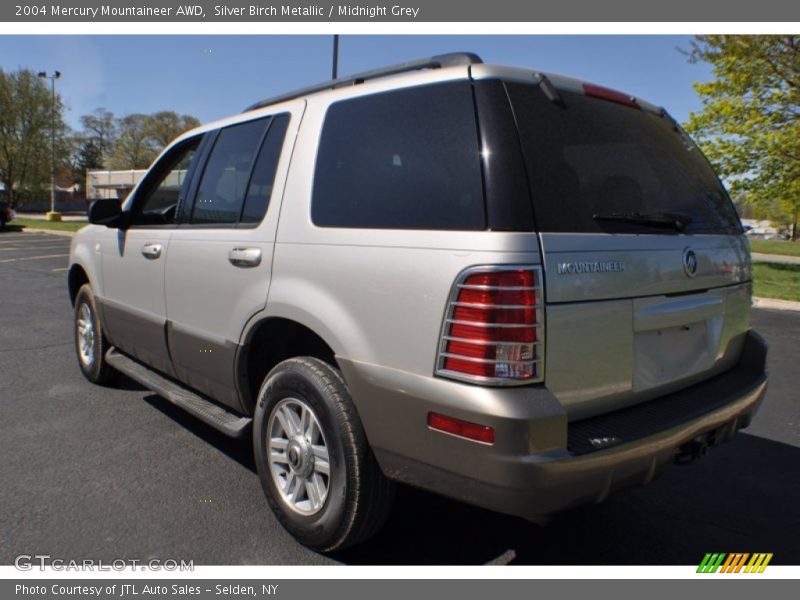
x=269, y=341
x=76, y=277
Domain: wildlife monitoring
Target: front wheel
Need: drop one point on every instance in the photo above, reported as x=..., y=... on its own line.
x=317, y=470
x=90, y=343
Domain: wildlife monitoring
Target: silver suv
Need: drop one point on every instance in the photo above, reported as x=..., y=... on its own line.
x=515, y=289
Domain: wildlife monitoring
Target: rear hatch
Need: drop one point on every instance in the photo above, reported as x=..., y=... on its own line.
x=647, y=278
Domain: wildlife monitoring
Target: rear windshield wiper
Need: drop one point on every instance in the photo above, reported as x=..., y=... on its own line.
x=663, y=220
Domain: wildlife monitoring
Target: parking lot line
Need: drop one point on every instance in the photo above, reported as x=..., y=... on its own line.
x=48, y=239
x=59, y=269
x=8, y=260
x=17, y=248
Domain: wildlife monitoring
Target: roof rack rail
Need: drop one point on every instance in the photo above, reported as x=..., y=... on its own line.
x=434, y=62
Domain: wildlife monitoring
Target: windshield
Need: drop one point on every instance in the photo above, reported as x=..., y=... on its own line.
x=598, y=166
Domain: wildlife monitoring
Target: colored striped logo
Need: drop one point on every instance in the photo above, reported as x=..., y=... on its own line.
x=736, y=562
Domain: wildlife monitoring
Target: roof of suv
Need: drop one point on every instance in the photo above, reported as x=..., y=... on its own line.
x=434, y=62
x=464, y=62
x=479, y=70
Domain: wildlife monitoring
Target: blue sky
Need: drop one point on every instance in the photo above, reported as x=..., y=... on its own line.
x=215, y=76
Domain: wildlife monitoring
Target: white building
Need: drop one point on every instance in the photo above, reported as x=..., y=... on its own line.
x=111, y=184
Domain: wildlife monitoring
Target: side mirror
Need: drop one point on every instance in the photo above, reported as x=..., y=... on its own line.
x=108, y=212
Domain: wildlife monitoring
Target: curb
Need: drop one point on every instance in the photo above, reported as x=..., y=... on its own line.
x=780, y=259
x=773, y=304
x=50, y=231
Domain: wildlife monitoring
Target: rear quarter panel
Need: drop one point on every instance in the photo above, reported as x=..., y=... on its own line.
x=374, y=295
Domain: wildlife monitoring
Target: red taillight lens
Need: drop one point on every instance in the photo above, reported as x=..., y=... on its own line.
x=465, y=429
x=493, y=327
x=604, y=93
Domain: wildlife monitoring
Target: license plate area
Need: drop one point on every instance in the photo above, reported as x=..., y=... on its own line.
x=667, y=355
x=675, y=338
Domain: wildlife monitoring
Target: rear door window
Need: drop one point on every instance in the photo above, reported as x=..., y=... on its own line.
x=223, y=187
x=406, y=159
x=259, y=190
x=592, y=161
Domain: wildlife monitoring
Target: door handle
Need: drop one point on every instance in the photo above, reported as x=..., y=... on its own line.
x=245, y=257
x=151, y=251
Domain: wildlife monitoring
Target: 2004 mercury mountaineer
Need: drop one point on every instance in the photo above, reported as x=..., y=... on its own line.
x=515, y=289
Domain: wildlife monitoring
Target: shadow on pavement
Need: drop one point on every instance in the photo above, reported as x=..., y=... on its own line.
x=742, y=497
x=240, y=451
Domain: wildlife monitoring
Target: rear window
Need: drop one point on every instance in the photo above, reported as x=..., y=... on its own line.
x=406, y=159
x=592, y=158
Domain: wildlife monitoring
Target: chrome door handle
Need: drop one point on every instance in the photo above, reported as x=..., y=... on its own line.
x=151, y=251
x=245, y=257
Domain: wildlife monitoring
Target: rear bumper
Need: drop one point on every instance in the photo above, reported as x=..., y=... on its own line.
x=540, y=463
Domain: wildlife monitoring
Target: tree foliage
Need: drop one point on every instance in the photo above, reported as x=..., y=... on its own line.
x=133, y=148
x=26, y=126
x=84, y=155
x=26, y=121
x=100, y=129
x=749, y=126
x=133, y=141
x=164, y=126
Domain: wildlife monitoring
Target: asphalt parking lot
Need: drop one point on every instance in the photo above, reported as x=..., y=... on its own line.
x=119, y=473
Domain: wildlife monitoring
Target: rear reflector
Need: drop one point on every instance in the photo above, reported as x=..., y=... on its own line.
x=493, y=329
x=597, y=91
x=465, y=429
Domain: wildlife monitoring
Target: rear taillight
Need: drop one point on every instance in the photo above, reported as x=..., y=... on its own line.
x=493, y=331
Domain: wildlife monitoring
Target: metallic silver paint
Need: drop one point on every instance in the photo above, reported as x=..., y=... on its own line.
x=615, y=337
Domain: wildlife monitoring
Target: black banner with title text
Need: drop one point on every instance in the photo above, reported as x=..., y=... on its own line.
x=728, y=11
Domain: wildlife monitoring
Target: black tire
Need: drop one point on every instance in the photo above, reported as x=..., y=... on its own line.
x=359, y=497
x=2, y=224
x=97, y=370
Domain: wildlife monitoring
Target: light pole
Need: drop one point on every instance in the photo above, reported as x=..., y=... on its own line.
x=335, y=69
x=52, y=215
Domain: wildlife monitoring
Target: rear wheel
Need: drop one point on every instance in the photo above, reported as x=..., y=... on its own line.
x=90, y=343
x=317, y=470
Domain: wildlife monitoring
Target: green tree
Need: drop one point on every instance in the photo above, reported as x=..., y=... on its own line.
x=25, y=124
x=134, y=148
x=85, y=155
x=100, y=128
x=749, y=126
x=164, y=126
x=139, y=138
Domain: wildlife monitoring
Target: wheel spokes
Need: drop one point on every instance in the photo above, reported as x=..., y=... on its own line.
x=293, y=420
x=85, y=334
x=298, y=456
x=321, y=460
x=277, y=451
x=315, y=491
x=285, y=421
x=287, y=488
x=306, y=422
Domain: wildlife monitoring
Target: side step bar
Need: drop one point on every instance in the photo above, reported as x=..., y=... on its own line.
x=209, y=413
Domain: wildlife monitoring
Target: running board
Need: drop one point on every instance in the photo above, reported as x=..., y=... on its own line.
x=209, y=413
